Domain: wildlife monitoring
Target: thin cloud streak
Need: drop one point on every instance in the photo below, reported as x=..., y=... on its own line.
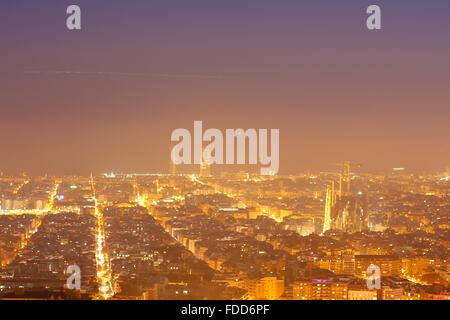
x=127, y=74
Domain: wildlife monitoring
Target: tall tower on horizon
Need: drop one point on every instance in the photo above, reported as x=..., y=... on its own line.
x=173, y=170
x=205, y=167
x=329, y=205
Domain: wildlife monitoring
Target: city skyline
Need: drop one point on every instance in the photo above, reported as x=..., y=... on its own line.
x=225, y=150
x=330, y=236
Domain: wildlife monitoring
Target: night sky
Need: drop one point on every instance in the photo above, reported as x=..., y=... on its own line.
x=108, y=97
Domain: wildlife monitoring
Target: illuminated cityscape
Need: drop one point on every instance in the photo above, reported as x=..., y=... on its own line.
x=227, y=235
x=224, y=159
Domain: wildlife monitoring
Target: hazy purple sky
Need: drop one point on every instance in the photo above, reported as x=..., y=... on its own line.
x=107, y=97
